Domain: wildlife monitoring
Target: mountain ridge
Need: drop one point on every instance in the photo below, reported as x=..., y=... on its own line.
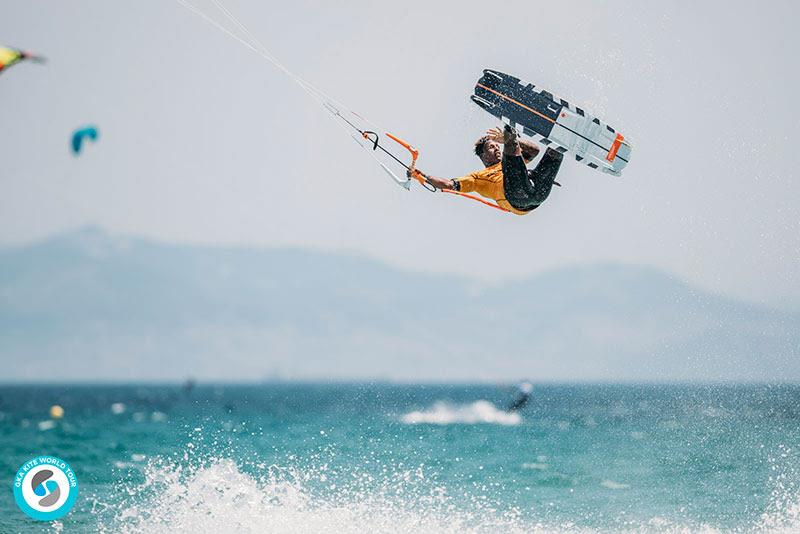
x=107, y=307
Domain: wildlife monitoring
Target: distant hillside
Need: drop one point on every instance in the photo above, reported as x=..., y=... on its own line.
x=86, y=306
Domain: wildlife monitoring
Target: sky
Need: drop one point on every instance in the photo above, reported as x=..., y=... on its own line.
x=202, y=141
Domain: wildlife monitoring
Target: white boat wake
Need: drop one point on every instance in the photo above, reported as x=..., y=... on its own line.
x=442, y=413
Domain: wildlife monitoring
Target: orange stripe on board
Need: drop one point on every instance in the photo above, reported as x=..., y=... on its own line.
x=520, y=104
x=615, y=147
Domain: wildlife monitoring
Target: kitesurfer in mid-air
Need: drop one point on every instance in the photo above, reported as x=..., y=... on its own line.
x=506, y=178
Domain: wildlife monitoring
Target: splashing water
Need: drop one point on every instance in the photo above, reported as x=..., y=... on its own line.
x=478, y=412
x=221, y=497
x=385, y=458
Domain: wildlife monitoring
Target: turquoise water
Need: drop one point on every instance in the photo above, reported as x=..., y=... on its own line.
x=412, y=458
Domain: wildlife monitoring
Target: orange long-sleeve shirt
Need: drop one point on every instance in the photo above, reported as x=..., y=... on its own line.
x=488, y=183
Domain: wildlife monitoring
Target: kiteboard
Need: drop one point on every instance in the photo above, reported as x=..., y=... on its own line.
x=552, y=121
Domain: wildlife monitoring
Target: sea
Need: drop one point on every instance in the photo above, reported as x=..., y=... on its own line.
x=386, y=457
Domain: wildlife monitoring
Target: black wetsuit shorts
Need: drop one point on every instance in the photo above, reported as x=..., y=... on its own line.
x=526, y=189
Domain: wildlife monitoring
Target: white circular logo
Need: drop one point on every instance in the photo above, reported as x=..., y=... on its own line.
x=45, y=488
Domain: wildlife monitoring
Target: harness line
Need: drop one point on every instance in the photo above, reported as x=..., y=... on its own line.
x=331, y=105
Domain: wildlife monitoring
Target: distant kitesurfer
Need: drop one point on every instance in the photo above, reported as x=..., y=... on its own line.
x=522, y=398
x=505, y=178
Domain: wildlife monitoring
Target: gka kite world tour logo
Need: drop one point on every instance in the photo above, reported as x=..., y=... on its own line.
x=45, y=488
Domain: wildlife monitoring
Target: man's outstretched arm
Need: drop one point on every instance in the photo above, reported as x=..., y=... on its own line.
x=438, y=183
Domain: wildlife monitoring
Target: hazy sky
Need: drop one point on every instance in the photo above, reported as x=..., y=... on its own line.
x=202, y=141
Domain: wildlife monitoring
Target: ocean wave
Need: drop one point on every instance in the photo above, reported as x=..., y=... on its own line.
x=534, y=465
x=222, y=497
x=610, y=484
x=442, y=413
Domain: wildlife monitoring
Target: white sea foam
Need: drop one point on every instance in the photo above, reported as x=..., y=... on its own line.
x=220, y=497
x=442, y=413
x=610, y=484
x=783, y=514
x=158, y=417
x=46, y=425
x=535, y=465
x=224, y=498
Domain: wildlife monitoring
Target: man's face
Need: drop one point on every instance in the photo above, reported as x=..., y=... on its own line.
x=492, y=153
